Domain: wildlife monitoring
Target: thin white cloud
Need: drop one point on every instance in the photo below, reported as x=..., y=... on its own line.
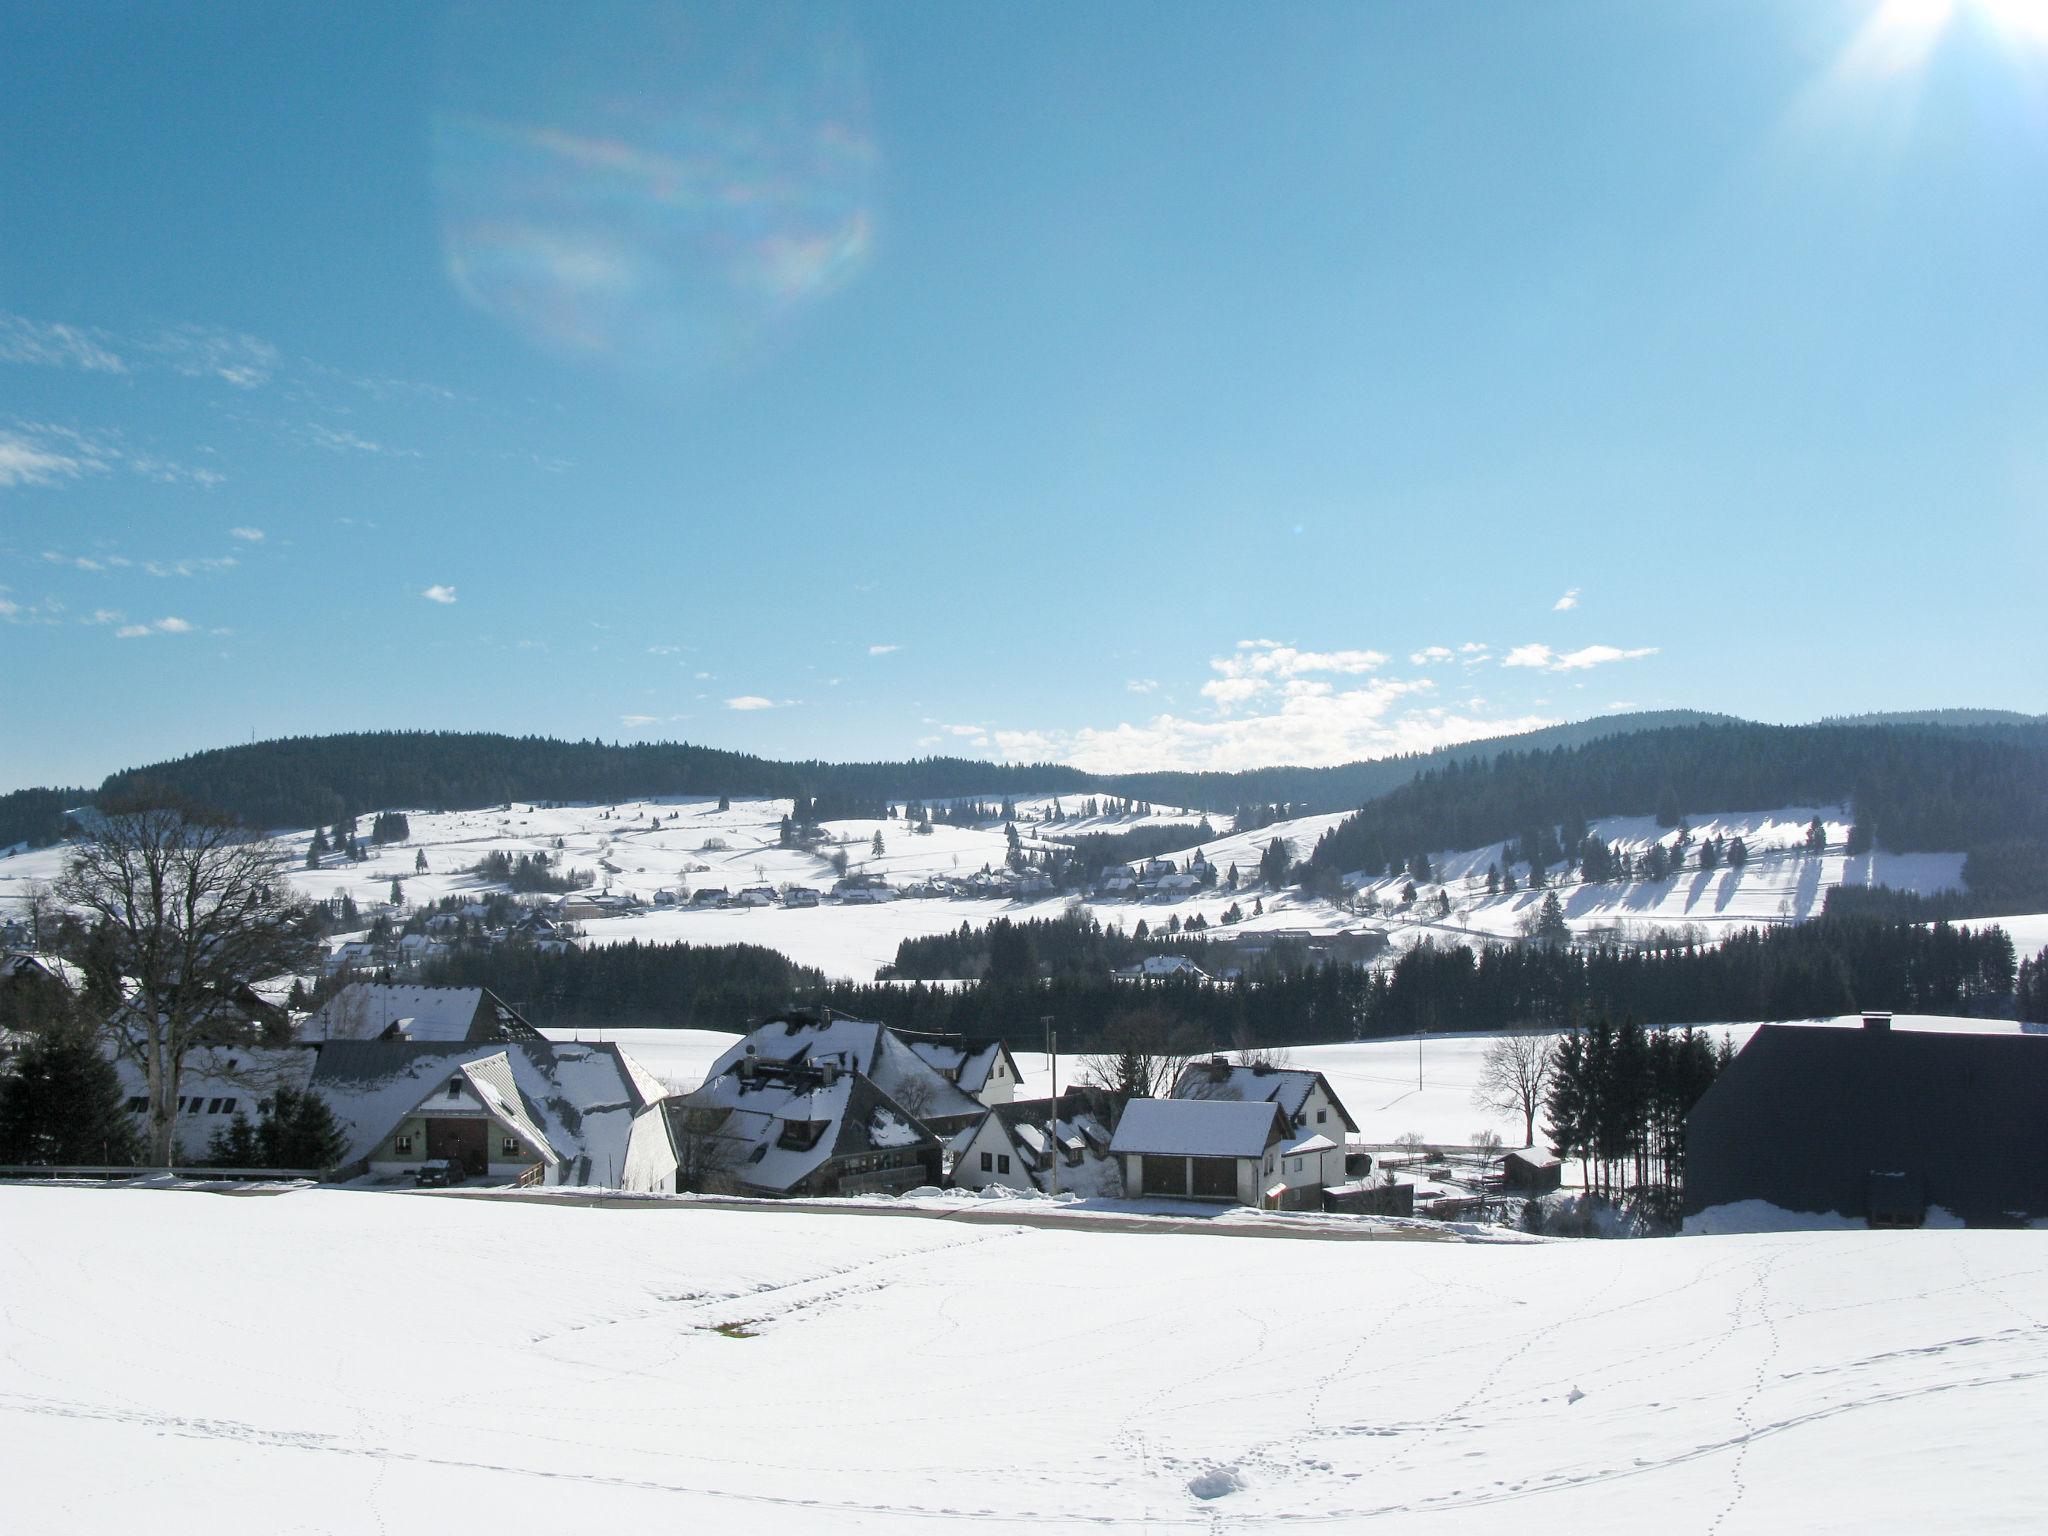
x=663, y=650
x=1543, y=658
x=1430, y=655
x=341, y=440
x=883, y=650
x=35, y=461
x=204, y=352
x=1566, y=603
x=165, y=626
x=635, y=721
x=965, y=730
x=439, y=594
x=1142, y=685
x=247, y=535
x=747, y=701
x=50, y=345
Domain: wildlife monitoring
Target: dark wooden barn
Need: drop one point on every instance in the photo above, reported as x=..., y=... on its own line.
x=1876, y=1123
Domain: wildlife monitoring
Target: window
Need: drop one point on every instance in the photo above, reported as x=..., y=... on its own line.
x=227, y=1106
x=401, y=1145
x=509, y=1145
x=1003, y=1162
x=988, y=1162
x=214, y=1107
x=1322, y=1117
x=454, y=1087
x=137, y=1105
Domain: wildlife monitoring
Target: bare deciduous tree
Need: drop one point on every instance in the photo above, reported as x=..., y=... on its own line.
x=1514, y=1077
x=1142, y=1054
x=178, y=911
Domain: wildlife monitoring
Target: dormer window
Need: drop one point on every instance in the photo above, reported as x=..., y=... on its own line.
x=801, y=1135
x=454, y=1087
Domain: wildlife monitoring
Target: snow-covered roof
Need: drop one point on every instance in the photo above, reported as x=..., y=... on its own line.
x=854, y=1045
x=752, y=1115
x=581, y=1100
x=363, y=1010
x=967, y=1062
x=1288, y=1087
x=1198, y=1128
x=1312, y=1144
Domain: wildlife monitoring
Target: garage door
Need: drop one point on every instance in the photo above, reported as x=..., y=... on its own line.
x=1216, y=1177
x=1165, y=1175
x=467, y=1141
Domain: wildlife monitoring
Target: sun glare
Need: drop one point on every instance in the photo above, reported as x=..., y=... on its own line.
x=1902, y=33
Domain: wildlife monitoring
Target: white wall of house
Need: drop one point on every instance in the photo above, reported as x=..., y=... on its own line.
x=1001, y=1087
x=650, y=1155
x=1005, y=1166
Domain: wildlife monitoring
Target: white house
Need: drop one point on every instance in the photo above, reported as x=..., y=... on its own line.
x=1296, y=1175
x=1007, y=1146
x=217, y=1084
x=1198, y=1149
x=574, y=1114
x=984, y=1070
x=1310, y=1103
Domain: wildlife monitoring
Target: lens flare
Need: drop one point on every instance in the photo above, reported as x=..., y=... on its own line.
x=670, y=191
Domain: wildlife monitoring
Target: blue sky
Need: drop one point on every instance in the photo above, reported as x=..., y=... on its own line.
x=1131, y=385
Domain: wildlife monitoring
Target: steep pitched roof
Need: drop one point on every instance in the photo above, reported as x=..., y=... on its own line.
x=1288, y=1087
x=1199, y=1128
x=966, y=1062
x=581, y=1099
x=363, y=1010
x=873, y=1051
x=755, y=1117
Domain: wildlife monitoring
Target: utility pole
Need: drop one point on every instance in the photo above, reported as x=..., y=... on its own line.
x=1052, y=1118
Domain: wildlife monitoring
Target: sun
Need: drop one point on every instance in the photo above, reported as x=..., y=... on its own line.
x=1900, y=34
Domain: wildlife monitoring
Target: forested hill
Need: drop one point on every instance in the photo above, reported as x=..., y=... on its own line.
x=306, y=780
x=1922, y=780
x=309, y=780
x=1910, y=787
x=1317, y=791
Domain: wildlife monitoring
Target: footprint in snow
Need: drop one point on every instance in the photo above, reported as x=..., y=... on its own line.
x=1215, y=1483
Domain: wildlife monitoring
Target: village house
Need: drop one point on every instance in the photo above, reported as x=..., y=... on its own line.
x=711, y=896
x=1297, y=1175
x=1198, y=1149
x=793, y=1129
x=368, y=1010
x=217, y=1084
x=1310, y=1103
x=869, y=1050
x=800, y=896
x=523, y=1111
x=1162, y=968
x=1008, y=1146
x=1880, y=1124
x=984, y=1070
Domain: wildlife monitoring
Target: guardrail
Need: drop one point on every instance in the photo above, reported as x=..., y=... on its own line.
x=97, y=1171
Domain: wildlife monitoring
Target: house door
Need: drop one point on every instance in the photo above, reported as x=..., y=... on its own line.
x=467, y=1141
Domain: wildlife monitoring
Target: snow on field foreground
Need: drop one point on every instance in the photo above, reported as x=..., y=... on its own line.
x=342, y=1362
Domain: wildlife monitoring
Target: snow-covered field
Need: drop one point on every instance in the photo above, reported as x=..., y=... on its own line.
x=697, y=846
x=344, y=1362
x=1376, y=1079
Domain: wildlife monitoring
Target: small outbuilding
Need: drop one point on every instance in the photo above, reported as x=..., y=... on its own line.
x=1531, y=1170
x=1198, y=1149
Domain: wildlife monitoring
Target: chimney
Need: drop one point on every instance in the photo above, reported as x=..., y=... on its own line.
x=1219, y=1069
x=828, y=1073
x=1881, y=1023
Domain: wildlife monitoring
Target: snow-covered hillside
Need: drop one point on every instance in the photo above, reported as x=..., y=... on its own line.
x=374, y=1362
x=696, y=846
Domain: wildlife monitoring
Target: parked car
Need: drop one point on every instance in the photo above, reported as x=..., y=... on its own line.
x=438, y=1173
